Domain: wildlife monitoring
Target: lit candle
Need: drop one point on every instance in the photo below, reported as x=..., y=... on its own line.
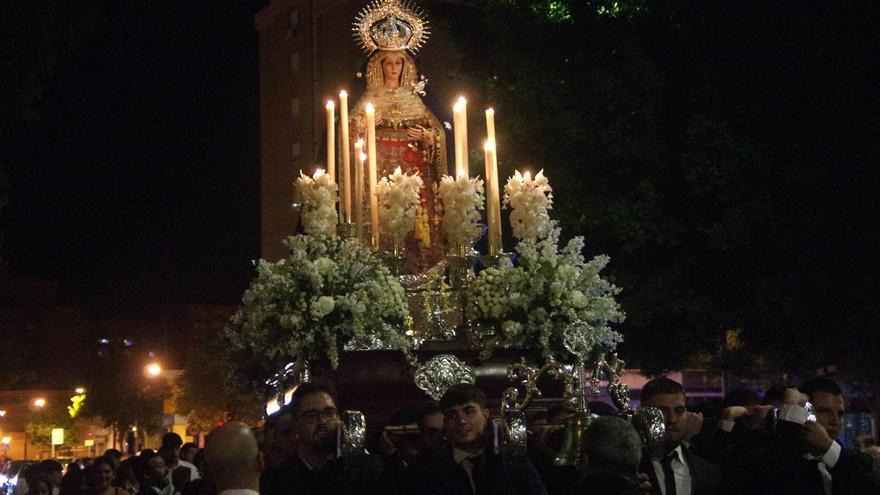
x=493, y=188
x=464, y=136
x=493, y=206
x=456, y=131
x=331, y=141
x=359, y=189
x=459, y=111
x=346, y=158
x=371, y=156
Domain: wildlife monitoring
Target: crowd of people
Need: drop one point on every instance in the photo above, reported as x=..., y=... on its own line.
x=775, y=444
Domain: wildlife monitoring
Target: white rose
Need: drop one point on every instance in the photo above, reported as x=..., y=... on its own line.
x=323, y=306
x=578, y=299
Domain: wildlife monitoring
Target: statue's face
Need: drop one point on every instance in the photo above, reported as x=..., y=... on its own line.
x=392, y=67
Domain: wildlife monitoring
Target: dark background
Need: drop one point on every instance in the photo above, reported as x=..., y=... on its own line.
x=143, y=163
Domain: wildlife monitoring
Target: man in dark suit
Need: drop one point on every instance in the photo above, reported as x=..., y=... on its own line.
x=810, y=461
x=315, y=470
x=469, y=466
x=679, y=471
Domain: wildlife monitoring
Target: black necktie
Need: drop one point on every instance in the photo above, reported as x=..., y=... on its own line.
x=476, y=462
x=668, y=475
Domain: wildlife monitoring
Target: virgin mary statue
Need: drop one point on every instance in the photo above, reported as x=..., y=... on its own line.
x=408, y=134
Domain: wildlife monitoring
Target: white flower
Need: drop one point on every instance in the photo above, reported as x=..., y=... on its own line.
x=461, y=200
x=323, y=306
x=398, y=198
x=529, y=200
x=318, y=196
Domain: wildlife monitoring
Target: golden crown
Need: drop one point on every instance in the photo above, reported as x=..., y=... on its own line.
x=390, y=25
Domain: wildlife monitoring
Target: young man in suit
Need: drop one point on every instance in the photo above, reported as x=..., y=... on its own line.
x=469, y=466
x=679, y=471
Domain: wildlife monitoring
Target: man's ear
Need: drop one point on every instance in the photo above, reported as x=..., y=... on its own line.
x=486, y=412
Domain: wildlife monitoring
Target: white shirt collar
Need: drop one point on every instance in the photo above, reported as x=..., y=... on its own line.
x=239, y=491
x=459, y=455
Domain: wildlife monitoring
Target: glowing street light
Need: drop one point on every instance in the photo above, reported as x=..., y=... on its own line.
x=41, y=402
x=2, y=412
x=6, y=441
x=79, y=390
x=153, y=370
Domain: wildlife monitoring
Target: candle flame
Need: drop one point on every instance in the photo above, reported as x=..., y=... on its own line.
x=343, y=94
x=397, y=171
x=363, y=156
x=490, y=111
x=369, y=108
x=359, y=142
x=330, y=104
x=489, y=145
x=460, y=172
x=462, y=101
x=527, y=175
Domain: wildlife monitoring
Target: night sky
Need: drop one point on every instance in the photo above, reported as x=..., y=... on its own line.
x=144, y=166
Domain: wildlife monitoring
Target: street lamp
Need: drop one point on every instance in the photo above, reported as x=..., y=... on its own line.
x=153, y=370
x=40, y=402
x=79, y=390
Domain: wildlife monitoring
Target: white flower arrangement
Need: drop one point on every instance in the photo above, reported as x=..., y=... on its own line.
x=318, y=196
x=552, y=301
x=461, y=200
x=529, y=200
x=328, y=294
x=398, y=196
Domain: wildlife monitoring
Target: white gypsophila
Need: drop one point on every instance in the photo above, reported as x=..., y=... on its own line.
x=461, y=200
x=553, y=301
x=529, y=200
x=398, y=198
x=318, y=197
x=326, y=295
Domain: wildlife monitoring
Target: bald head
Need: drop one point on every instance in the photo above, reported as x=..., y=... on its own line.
x=232, y=458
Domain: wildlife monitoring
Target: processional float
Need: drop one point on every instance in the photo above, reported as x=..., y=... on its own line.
x=386, y=260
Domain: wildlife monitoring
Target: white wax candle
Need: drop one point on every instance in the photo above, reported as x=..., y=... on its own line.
x=371, y=156
x=456, y=130
x=359, y=189
x=464, y=136
x=331, y=140
x=346, y=156
x=493, y=204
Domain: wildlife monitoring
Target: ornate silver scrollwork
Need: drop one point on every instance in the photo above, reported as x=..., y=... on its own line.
x=351, y=433
x=648, y=421
x=440, y=373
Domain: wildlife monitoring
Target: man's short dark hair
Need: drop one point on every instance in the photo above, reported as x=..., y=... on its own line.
x=460, y=394
x=172, y=440
x=189, y=445
x=660, y=385
x=427, y=410
x=113, y=453
x=820, y=384
x=308, y=388
x=613, y=446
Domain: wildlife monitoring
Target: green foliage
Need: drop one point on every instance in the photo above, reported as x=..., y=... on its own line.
x=120, y=394
x=206, y=390
x=709, y=150
x=41, y=422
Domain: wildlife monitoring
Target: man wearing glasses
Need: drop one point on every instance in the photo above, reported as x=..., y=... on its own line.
x=315, y=469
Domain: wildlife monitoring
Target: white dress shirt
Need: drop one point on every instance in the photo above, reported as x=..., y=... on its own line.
x=681, y=471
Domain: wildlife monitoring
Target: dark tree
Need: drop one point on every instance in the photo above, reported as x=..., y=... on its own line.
x=724, y=155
